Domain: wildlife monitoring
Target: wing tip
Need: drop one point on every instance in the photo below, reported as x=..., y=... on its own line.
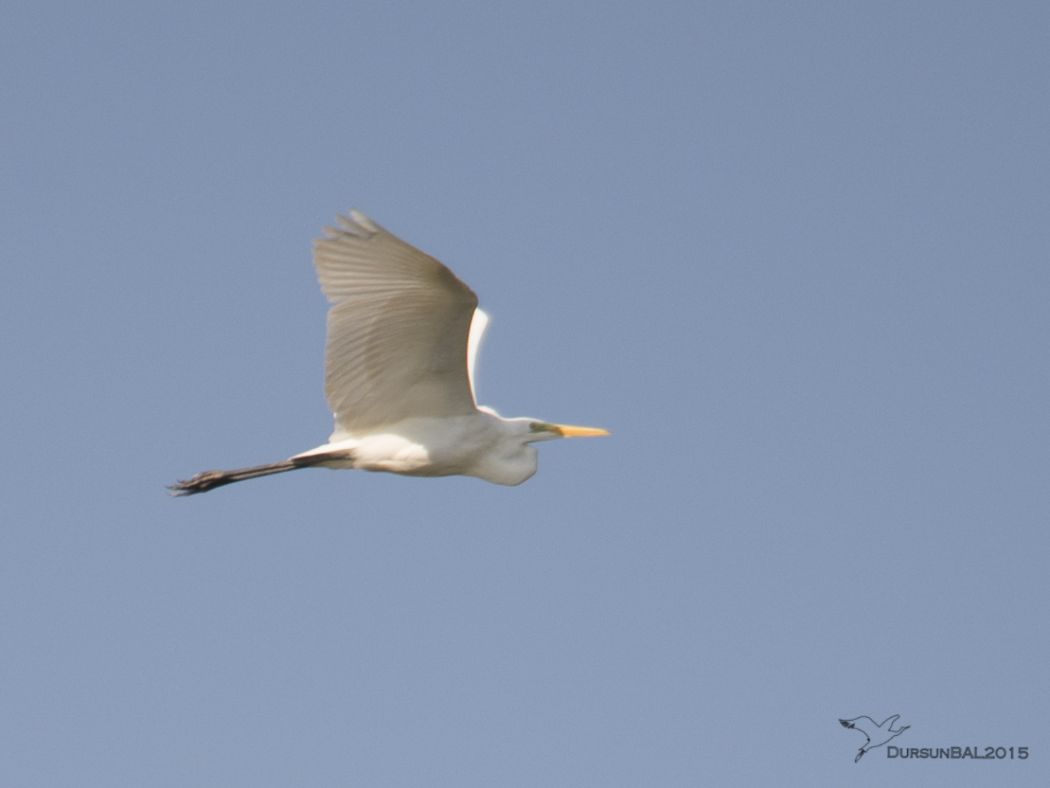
x=354, y=224
x=362, y=220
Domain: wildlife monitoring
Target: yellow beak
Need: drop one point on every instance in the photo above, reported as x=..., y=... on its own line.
x=569, y=431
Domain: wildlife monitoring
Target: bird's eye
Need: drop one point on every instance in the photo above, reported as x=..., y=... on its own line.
x=539, y=426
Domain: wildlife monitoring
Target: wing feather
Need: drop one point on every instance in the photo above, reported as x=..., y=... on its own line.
x=397, y=328
x=477, y=331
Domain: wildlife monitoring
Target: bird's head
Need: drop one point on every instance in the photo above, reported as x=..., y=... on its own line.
x=511, y=459
x=535, y=430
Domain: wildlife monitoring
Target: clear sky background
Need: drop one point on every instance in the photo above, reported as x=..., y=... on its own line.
x=795, y=256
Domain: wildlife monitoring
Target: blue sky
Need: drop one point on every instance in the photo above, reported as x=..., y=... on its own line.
x=795, y=257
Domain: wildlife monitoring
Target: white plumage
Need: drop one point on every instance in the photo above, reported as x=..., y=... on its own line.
x=403, y=338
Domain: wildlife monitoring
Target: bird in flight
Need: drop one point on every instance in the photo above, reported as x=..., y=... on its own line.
x=403, y=336
x=876, y=733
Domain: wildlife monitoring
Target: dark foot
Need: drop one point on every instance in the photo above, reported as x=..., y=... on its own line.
x=202, y=482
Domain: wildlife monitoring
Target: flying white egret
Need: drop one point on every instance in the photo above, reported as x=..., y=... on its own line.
x=403, y=335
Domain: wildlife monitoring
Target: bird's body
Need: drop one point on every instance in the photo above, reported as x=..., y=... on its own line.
x=403, y=336
x=478, y=444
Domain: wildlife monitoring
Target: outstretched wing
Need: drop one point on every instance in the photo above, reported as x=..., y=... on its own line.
x=397, y=329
